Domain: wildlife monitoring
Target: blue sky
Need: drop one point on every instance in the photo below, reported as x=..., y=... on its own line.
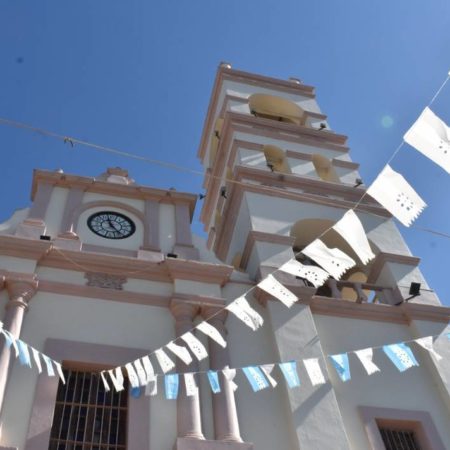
x=137, y=75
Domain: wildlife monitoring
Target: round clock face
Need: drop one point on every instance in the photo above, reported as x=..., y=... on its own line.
x=111, y=225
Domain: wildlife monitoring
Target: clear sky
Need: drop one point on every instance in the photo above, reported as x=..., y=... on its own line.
x=137, y=75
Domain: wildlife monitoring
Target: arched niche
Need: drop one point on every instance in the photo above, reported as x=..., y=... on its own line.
x=276, y=159
x=325, y=169
x=215, y=138
x=306, y=231
x=276, y=108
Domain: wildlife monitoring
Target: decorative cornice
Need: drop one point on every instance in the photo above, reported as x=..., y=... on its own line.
x=91, y=184
x=383, y=258
x=22, y=247
x=404, y=313
x=346, y=164
x=260, y=236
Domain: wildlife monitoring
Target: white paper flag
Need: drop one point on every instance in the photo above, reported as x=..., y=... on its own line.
x=333, y=260
x=427, y=344
x=351, y=229
x=191, y=386
x=314, y=371
x=229, y=375
x=11, y=340
x=365, y=356
x=116, y=376
x=49, y=364
x=196, y=347
x=397, y=196
x=152, y=387
x=105, y=383
x=37, y=359
x=431, y=136
x=276, y=289
x=148, y=367
x=180, y=351
x=132, y=375
x=211, y=332
x=140, y=371
x=267, y=369
x=60, y=371
x=313, y=274
x=164, y=361
x=243, y=311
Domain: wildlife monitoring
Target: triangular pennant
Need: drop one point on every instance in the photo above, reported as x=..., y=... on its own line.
x=132, y=375
x=401, y=356
x=105, y=383
x=37, y=359
x=116, y=376
x=190, y=384
x=211, y=332
x=277, y=290
x=229, y=375
x=392, y=191
x=180, y=351
x=171, y=383
x=431, y=136
x=48, y=363
x=427, y=344
x=333, y=260
x=140, y=371
x=243, y=311
x=315, y=275
x=24, y=354
x=289, y=370
x=152, y=387
x=256, y=378
x=351, y=229
x=213, y=378
x=10, y=340
x=365, y=355
x=342, y=366
x=314, y=371
x=148, y=367
x=267, y=369
x=164, y=361
x=60, y=372
x=196, y=347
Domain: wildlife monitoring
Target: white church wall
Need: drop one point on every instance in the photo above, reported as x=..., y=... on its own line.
x=240, y=232
x=346, y=175
x=252, y=158
x=197, y=288
x=87, y=320
x=96, y=197
x=411, y=390
x=13, y=264
x=302, y=167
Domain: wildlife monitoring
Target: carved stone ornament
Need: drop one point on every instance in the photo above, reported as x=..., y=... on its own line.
x=105, y=280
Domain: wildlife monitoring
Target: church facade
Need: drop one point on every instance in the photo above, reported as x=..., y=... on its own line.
x=99, y=271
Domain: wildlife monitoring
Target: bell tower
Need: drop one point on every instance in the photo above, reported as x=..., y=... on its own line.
x=277, y=177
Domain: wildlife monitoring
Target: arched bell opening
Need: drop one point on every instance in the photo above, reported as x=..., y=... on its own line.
x=276, y=108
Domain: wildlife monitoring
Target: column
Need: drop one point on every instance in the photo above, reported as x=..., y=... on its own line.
x=21, y=290
x=226, y=424
x=188, y=408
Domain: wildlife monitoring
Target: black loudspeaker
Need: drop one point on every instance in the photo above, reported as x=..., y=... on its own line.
x=414, y=289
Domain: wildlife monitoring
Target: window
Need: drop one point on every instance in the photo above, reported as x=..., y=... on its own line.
x=395, y=439
x=88, y=417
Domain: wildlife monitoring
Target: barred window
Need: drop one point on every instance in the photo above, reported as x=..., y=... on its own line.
x=87, y=417
x=398, y=439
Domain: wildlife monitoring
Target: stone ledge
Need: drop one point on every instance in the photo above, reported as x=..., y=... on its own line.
x=8, y=448
x=195, y=444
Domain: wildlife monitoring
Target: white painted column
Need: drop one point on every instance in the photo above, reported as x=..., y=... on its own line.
x=226, y=423
x=188, y=408
x=20, y=290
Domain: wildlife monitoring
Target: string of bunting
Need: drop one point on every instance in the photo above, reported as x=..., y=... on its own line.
x=429, y=135
x=142, y=375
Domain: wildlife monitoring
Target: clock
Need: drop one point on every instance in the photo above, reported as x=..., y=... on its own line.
x=111, y=225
